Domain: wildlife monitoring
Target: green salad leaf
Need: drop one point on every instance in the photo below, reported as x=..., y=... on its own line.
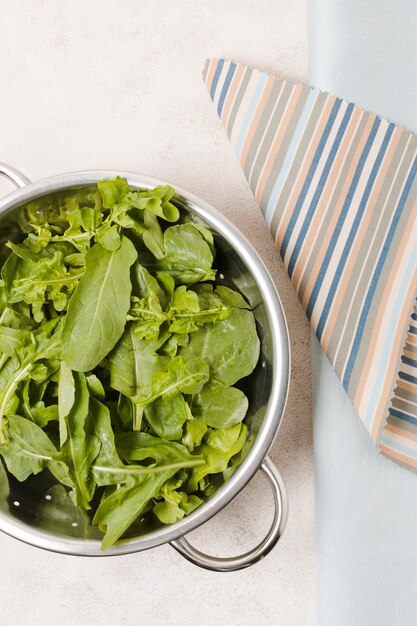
x=230, y=347
x=78, y=449
x=119, y=357
x=97, y=311
x=29, y=450
x=188, y=257
x=219, y=407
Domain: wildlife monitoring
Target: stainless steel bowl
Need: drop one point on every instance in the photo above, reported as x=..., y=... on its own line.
x=241, y=268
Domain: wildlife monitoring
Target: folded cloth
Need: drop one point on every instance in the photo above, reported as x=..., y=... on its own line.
x=337, y=186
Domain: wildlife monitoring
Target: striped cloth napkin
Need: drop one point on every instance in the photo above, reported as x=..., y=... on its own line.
x=337, y=187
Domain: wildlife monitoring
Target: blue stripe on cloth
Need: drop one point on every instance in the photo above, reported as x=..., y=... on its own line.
x=310, y=175
x=342, y=217
x=407, y=377
x=408, y=361
x=403, y=416
x=412, y=330
x=216, y=78
x=225, y=88
x=319, y=190
x=414, y=316
x=352, y=234
x=377, y=273
x=250, y=111
x=386, y=348
x=289, y=155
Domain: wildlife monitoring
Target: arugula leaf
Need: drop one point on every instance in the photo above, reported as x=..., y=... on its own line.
x=42, y=414
x=79, y=449
x=132, y=366
x=42, y=345
x=66, y=399
x=12, y=340
x=29, y=450
x=194, y=434
x=156, y=201
x=121, y=508
x=148, y=314
x=217, y=452
x=107, y=461
x=152, y=235
x=49, y=280
x=112, y=191
x=126, y=412
x=109, y=238
x=9, y=271
x=144, y=284
x=140, y=446
x=175, y=504
x=185, y=376
x=167, y=415
x=171, y=345
x=97, y=310
x=95, y=386
x=108, y=467
x=193, y=308
x=188, y=258
x=231, y=298
x=219, y=407
x=38, y=400
x=168, y=512
x=231, y=347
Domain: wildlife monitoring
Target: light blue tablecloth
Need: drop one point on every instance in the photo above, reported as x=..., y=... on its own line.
x=366, y=51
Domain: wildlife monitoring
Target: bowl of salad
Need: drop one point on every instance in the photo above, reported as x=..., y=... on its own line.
x=144, y=366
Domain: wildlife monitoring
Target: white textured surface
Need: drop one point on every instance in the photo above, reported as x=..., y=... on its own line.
x=103, y=84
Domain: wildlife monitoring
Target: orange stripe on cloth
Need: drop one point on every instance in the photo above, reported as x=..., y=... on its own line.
x=400, y=431
x=336, y=212
x=256, y=119
x=303, y=170
x=323, y=205
x=231, y=94
x=394, y=454
x=276, y=144
x=362, y=231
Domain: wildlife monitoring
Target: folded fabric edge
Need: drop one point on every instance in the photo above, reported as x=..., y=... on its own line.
x=218, y=75
x=397, y=437
x=213, y=66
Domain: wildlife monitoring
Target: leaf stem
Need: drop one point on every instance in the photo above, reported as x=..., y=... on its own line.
x=135, y=311
x=202, y=313
x=3, y=315
x=72, y=237
x=171, y=387
x=7, y=394
x=147, y=470
x=137, y=416
x=65, y=279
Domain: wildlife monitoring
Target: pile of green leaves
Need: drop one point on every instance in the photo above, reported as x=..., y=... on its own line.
x=118, y=356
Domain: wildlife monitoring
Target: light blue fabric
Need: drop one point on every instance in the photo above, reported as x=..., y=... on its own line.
x=365, y=51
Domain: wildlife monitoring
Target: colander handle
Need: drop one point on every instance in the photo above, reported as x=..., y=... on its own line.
x=19, y=179
x=231, y=564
